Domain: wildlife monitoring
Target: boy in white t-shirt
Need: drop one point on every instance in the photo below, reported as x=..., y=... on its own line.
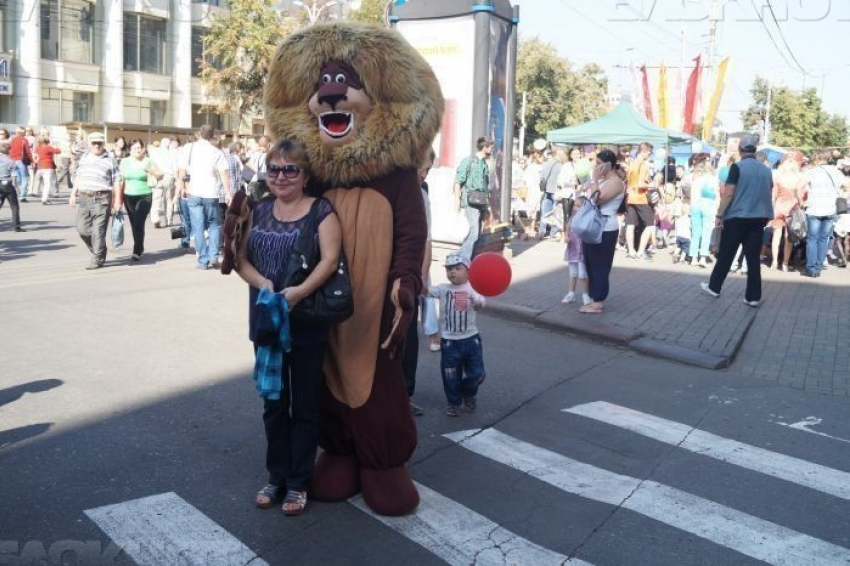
x=461, y=352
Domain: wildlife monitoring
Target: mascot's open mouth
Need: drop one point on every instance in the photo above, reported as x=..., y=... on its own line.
x=336, y=124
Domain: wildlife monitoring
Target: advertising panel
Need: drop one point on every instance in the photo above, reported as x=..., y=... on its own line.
x=449, y=47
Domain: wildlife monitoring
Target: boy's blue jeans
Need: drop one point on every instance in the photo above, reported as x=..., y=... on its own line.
x=462, y=366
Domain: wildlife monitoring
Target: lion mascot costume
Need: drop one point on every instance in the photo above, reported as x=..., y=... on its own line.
x=367, y=107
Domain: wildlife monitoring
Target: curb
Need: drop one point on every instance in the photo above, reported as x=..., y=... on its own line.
x=617, y=335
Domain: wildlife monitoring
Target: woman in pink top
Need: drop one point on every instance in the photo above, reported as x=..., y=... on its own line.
x=788, y=186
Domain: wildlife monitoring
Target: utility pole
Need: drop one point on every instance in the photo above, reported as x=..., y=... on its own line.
x=767, y=115
x=522, y=123
x=714, y=12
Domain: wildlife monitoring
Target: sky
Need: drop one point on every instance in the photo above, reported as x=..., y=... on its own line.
x=619, y=32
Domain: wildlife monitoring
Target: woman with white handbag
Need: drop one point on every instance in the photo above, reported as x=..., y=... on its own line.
x=600, y=241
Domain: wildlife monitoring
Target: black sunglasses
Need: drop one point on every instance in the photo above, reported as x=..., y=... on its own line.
x=289, y=171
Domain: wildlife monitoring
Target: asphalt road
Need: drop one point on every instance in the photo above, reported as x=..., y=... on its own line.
x=127, y=414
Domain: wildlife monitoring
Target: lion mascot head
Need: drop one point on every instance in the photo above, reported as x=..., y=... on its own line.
x=359, y=97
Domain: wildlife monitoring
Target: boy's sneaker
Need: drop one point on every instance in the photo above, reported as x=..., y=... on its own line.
x=644, y=257
x=585, y=299
x=569, y=298
x=452, y=411
x=470, y=404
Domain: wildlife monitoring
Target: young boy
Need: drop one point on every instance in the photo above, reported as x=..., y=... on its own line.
x=462, y=357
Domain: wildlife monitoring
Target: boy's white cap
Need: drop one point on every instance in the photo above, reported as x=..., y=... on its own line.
x=456, y=259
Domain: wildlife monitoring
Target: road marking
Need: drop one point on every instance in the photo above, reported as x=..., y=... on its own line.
x=461, y=536
x=733, y=529
x=165, y=529
x=811, y=421
x=814, y=476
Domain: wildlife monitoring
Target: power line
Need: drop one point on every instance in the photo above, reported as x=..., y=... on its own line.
x=782, y=36
x=770, y=35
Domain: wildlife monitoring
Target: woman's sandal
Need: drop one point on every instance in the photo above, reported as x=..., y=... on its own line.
x=588, y=309
x=267, y=497
x=295, y=502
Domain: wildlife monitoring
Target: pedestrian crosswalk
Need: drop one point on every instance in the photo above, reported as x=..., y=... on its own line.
x=459, y=535
x=462, y=532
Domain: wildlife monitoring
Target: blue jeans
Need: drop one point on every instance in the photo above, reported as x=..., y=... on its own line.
x=702, y=224
x=22, y=171
x=185, y=217
x=204, y=214
x=547, y=204
x=818, y=231
x=462, y=366
x=473, y=216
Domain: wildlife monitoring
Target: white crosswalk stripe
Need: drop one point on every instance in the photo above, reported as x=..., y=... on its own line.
x=165, y=529
x=461, y=536
x=814, y=476
x=749, y=535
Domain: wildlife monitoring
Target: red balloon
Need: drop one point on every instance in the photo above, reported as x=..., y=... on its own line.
x=490, y=274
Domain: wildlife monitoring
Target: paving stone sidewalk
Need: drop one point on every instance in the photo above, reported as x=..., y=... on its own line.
x=657, y=308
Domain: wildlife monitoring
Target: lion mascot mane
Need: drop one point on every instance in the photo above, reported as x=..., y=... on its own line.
x=367, y=107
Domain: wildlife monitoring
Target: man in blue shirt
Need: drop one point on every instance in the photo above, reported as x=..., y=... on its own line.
x=746, y=205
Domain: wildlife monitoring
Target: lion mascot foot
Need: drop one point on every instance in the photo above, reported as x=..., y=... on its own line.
x=389, y=492
x=336, y=477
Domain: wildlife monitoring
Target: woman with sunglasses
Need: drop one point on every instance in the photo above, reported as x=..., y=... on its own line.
x=292, y=422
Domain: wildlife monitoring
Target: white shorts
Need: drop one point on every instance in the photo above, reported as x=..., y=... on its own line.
x=577, y=270
x=842, y=225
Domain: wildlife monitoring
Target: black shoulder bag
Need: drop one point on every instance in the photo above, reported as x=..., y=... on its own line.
x=332, y=302
x=475, y=198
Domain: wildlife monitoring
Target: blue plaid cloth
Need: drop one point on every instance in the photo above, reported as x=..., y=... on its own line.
x=273, y=314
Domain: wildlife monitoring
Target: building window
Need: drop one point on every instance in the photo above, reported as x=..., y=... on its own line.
x=197, y=50
x=82, y=107
x=67, y=30
x=144, y=44
x=219, y=122
x=210, y=2
x=159, y=108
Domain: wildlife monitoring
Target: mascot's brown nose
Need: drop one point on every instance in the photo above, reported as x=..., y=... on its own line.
x=332, y=93
x=332, y=99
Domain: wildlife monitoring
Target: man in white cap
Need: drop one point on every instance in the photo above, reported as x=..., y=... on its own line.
x=746, y=205
x=97, y=194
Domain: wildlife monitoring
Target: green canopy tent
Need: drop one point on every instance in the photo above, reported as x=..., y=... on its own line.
x=622, y=126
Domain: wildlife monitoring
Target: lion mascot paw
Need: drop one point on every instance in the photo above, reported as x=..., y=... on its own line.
x=367, y=107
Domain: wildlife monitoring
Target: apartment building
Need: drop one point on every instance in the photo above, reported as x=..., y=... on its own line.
x=128, y=62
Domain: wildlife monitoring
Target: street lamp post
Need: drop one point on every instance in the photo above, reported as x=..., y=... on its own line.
x=315, y=8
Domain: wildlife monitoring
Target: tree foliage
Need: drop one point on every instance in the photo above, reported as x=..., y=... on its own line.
x=370, y=11
x=797, y=118
x=238, y=50
x=558, y=95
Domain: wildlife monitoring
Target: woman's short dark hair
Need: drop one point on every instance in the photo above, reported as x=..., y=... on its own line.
x=135, y=141
x=119, y=138
x=292, y=151
x=608, y=156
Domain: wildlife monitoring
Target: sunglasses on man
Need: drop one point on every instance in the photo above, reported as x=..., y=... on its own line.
x=289, y=171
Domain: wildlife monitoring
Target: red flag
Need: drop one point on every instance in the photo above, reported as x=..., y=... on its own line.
x=647, y=96
x=692, y=95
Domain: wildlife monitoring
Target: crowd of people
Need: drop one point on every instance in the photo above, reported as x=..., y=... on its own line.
x=683, y=208
x=148, y=183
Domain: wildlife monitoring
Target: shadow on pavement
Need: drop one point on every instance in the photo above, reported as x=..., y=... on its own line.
x=19, y=249
x=12, y=394
x=9, y=438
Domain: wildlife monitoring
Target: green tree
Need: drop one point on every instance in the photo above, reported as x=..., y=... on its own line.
x=797, y=118
x=371, y=11
x=238, y=49
x=558, y=95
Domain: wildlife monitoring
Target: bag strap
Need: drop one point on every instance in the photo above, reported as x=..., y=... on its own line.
x=304, y=243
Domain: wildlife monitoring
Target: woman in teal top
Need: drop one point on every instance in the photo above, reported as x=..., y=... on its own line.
x=138, y=194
